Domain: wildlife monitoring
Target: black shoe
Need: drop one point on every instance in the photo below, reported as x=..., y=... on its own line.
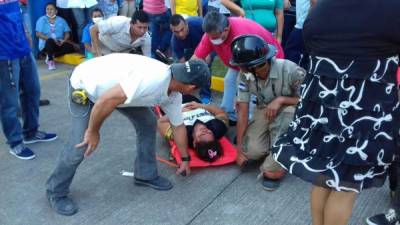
x=159, y=183
x=270, y=184
x=43, y=102
x=63, y=205
x=390, y=218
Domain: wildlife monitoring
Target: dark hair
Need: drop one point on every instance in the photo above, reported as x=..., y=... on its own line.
x=215, y=22
x=176, y=19
x=209, y=151
x=96, y=10
x=140, y=16
x=51, y=3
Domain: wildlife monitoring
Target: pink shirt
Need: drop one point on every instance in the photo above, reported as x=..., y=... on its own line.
x=154, y=6
x=238, y=26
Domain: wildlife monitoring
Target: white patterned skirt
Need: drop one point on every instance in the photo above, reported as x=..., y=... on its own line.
x=345, y=130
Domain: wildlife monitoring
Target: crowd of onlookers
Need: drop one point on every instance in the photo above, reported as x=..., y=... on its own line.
x=293, y=108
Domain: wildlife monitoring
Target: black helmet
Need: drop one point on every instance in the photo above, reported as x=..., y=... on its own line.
x=250, y=50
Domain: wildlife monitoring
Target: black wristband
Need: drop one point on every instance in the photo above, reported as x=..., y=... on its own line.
x=186, y=159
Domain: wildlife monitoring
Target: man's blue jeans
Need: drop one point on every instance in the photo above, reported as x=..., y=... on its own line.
x=145, y=168
x=82, y=17
x=19, y=86
x=228, y=99
x=160, y=32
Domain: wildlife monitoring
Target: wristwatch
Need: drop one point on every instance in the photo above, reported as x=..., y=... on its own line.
x=186, y=159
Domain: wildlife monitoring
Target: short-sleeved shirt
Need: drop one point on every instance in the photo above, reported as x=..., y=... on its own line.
x=190, y=118
x=142, y=87
x=192, y=39
x=373, y=31
x=13, y=42
x=154, y=6
x=284, y=79
x=114, y=35
x=186, y=7
x=262, y=11
x=238, y=27
x=45, y=27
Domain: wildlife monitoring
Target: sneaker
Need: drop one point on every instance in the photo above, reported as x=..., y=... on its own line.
x=270, y=184
x=22, y=152
x=63, y=205
x=43, y=102
x=52, y=65
x=159, y=183
x=390, y=218
x=206, y=100
x=40, y=136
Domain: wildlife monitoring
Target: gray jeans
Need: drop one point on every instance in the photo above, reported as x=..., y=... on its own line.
x=145, y=123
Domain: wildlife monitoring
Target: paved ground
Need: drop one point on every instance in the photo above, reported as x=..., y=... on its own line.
x=220, y=195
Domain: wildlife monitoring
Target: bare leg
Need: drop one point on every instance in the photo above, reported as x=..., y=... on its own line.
x=319, y=198
x=339, y=207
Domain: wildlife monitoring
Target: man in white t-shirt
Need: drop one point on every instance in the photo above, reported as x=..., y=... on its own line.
x=122, y=34
x=132, y=84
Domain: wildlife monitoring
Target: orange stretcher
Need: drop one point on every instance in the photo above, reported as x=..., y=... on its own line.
x=228, y=156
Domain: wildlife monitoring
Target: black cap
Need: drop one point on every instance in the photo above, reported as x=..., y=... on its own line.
x=194, y=72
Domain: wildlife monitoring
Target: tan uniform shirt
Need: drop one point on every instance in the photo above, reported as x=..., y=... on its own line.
x=284, y=79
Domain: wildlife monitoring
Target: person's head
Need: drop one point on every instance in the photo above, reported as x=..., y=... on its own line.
x=51, y=10
x=139, y=23
x=252, y=54
x=216, y=25
x=205, y=144
x=179, y=26
x=97, y=15
x=189, y=76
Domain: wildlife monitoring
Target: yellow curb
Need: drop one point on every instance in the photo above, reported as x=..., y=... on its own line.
x=217, y=83
x=72, y=59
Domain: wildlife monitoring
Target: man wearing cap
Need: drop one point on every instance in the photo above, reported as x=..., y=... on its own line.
x=276, y=84
x=132, y=84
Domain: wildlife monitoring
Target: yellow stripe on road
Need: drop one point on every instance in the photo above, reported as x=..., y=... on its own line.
x=55, y=75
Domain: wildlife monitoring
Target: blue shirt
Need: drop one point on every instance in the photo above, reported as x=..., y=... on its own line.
x=43, y=26
x=192, y=39
x=86, y=39
x=13, y=42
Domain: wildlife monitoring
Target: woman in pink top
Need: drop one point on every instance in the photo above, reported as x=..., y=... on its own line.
x=219, y=33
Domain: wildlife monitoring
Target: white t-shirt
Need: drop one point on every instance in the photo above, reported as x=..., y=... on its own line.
x=190, y=117
x=114, y=35
x=144, y=80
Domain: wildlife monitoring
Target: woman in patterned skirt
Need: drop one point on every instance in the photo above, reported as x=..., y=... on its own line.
x=343, y=135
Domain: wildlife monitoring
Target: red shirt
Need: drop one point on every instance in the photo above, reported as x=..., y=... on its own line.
x=238, y=26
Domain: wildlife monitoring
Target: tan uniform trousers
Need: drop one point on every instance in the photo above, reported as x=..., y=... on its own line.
x=261, y=134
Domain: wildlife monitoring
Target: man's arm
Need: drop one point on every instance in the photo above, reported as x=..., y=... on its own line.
x=180, y=138
x=103, y=107
x=279, y=24
x=241, y=125
x=313, y=2
x=213, y=109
